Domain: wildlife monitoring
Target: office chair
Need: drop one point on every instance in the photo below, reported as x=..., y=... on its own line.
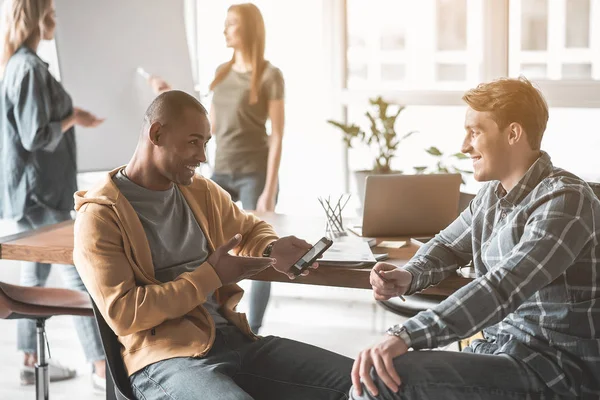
x=117, y=380
x=39, y=304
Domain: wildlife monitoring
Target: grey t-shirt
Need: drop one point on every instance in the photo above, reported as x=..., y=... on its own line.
x=240, y=131
x=176, y=241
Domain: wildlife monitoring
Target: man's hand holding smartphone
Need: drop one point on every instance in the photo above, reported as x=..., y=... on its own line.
x=287, y=251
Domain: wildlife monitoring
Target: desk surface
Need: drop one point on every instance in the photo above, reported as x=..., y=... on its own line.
x=54, y=244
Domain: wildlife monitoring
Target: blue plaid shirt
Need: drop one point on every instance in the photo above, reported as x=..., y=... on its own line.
x=536, y=296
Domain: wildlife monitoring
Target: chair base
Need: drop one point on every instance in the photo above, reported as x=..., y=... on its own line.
x=42, y=379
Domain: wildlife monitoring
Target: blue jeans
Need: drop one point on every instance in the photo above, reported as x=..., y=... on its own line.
x=456, y=376
x=237, y=368
x=36, y=274
x=247, y=188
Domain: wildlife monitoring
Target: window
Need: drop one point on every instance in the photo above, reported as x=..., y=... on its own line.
x=403, y=44
x=553, y=39
x=426, y=53
x=429, y=52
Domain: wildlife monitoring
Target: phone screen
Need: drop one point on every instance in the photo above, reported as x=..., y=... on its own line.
x=309, y=257
x=314, y=251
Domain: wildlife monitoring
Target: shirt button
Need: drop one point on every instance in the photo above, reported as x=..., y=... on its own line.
x=502, y=215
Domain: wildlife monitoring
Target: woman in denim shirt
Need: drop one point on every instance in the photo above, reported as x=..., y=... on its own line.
x=39, y=174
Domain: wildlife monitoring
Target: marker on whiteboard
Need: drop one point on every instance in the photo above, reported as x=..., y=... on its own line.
x=143, y=73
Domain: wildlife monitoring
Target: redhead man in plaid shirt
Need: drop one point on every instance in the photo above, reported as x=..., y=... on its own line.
x=532, y=233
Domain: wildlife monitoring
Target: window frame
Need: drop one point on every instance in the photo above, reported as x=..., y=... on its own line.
x=559, y=93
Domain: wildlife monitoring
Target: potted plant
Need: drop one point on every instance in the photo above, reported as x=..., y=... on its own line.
x=444, y=164
x=381, y=137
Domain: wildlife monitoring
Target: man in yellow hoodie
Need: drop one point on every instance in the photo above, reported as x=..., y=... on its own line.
x=152, y=245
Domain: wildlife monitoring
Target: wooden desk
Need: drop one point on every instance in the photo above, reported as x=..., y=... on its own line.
x=54, y=244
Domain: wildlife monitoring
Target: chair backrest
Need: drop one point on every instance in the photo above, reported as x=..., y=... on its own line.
x=464, y=199
x=114, y=362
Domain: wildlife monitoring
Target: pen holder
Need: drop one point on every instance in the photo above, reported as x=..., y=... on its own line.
x=333, y=212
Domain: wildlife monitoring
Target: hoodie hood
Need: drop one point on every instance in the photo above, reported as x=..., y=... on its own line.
x=104, y=192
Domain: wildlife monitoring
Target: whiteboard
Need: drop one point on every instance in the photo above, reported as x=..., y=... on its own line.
x=100, y=44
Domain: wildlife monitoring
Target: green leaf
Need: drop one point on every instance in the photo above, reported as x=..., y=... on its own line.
x=420, y=170
x=460, y=156
x=434, y=151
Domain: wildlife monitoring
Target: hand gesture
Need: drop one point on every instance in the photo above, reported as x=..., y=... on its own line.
x=86, y=118
x=395, y=282
x=287, y=251
x=158, y=84
x=232, y=269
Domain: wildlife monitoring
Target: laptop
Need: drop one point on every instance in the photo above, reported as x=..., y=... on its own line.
x=408, y=205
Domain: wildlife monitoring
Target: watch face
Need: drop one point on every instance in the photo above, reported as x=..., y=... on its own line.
x=395, y=330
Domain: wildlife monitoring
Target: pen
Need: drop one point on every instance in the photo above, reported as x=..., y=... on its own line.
x=388, y=281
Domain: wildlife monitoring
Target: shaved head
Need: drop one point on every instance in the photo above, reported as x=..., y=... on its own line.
x=170, y=106
x=172, y=143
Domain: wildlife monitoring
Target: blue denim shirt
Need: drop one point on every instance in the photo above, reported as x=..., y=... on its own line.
x=536, y=253
x=39, y=164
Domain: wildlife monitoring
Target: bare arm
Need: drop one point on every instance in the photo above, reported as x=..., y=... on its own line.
x=211, y=117
x=277, y=116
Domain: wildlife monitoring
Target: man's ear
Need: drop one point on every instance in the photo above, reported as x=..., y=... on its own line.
x=515, y=133
x=154, y=133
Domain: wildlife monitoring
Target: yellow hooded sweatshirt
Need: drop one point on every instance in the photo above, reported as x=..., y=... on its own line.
x=155, y=321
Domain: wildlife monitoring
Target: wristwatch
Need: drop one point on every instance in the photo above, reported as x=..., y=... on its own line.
x=268, y=249
x=401, y=332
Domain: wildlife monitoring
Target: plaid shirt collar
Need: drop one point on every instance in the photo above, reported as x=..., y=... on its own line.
x=539, y=170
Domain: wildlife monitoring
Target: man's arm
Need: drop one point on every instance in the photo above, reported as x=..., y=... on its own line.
x=444, y=254
x=256, y=234
x=555, y=234
x=106, y=270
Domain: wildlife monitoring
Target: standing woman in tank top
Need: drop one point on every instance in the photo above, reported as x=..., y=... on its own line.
x=247, y=91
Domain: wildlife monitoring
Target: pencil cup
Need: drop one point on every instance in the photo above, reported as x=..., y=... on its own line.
x=333, y=208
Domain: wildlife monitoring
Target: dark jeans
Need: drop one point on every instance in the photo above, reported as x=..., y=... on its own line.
x=456, y=376
x=238, y=369
x=247, y=188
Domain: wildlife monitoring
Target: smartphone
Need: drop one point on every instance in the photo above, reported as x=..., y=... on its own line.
x=311, y=256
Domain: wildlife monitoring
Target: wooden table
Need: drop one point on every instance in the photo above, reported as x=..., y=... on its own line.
x=54, y=244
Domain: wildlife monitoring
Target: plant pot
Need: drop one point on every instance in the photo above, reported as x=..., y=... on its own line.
x=361, y=178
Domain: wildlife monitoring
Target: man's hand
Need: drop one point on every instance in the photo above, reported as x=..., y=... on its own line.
x=287, y=251
x=158, y=84
x=381, y=357
x=397, y=281
x=232, y=269
x=86, y=118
